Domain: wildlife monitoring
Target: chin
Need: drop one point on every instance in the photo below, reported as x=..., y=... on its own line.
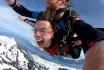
x=40, y=46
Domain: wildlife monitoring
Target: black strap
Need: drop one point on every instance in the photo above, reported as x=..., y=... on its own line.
x=67, y=30
x=30, y=21
x=67, y=26
x=61, y=50
x=62, y=40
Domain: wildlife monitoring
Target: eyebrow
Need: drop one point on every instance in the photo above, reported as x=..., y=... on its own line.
x=40, y=28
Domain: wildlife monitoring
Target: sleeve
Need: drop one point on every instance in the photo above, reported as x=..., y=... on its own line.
x=20, y=9
x=84, y=30
x=30, y=22
x=78, y=25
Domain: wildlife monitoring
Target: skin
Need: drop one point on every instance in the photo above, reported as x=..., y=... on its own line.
x=43, y=40
x=55, y=4
x=94, y=59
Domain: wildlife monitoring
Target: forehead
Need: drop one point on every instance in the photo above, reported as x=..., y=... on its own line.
x=42, y=23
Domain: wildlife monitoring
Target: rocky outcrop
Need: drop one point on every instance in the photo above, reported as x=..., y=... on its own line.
x=12, y=57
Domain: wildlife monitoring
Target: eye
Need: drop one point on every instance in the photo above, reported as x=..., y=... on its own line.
x=36, y=30
x=43, y=30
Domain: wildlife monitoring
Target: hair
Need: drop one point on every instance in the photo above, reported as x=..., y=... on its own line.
x=68, y=3
x=44, y=16
x=67, y=0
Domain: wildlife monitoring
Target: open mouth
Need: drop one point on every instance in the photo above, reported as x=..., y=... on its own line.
x=40, y=42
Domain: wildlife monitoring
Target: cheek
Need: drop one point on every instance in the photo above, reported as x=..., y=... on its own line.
x=37, y=34
x=38, y=37
x=48, y=37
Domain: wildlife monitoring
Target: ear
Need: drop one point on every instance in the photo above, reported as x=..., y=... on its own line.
x=51, y=34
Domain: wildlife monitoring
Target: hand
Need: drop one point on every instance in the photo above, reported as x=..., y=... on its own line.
x=77, y=42
x=9, y=2
x=21, y=18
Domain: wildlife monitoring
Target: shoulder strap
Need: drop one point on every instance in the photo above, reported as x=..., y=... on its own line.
x=67, y=21
x=69, y=17
x=68, y=31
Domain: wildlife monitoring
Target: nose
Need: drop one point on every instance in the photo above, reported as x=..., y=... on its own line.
x=37, y=33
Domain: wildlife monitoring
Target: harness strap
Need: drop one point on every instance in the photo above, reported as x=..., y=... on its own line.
x=66, y=31
x=67, y=28
x=61, y=50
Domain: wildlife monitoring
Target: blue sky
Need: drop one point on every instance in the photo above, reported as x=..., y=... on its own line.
x=90, y=10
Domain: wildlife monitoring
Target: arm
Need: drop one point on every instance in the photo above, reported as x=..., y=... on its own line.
x=27, y=20
x=80, y=27
x=102, y=29
x=17, y=7
x=76, y=47
x=84, y=30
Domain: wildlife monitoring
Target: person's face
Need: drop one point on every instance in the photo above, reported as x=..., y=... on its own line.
x=54, y=4
x=43, y=33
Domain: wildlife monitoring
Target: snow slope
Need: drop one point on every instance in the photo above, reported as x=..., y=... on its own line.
x=11, y=26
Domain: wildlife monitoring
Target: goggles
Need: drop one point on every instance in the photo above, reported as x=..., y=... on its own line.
x=43, y=31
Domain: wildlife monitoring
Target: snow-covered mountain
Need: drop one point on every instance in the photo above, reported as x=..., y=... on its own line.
x=14, y=58
x=11, y=26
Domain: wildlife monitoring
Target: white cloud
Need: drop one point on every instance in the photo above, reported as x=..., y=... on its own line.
x=102, y=2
